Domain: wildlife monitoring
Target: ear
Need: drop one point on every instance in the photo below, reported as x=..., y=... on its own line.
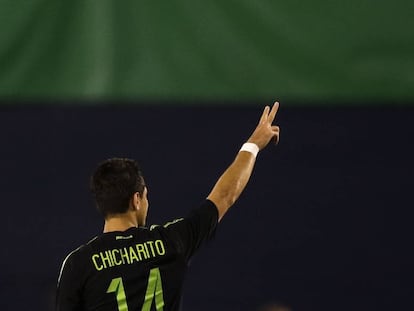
x=136, y=201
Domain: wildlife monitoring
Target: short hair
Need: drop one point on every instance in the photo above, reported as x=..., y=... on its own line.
x=113, y=184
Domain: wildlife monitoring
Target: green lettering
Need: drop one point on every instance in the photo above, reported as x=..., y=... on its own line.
x=140, y=249
x=98, y=267
x=117, y=262
x=105, y=259
x=159, y=245
x=146, y=250
x=132, y=254
x=124, y=255
x=150, y=243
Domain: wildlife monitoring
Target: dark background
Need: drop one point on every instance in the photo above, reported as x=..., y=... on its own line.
x=326, y=221
x=324, y=224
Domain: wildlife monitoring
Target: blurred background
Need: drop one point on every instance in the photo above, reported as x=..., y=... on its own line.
x=326, y=220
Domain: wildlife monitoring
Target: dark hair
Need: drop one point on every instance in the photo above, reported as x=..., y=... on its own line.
x=113, y=184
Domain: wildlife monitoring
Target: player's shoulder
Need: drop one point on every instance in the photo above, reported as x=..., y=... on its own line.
x=207, y=210
x=71, y=260
x=158, y=227
x=80, y=251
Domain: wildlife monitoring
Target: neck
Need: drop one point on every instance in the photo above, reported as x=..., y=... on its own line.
x=120, y=222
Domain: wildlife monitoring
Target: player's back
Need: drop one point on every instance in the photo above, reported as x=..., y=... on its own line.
x=137, y=269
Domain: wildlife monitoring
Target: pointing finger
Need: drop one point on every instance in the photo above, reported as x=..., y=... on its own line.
x=264, y=114
x=273, y=112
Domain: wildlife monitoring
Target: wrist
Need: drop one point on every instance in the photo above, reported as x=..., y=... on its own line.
x=250, y=147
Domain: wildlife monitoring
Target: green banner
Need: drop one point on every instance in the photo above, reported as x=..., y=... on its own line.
x=207, y=50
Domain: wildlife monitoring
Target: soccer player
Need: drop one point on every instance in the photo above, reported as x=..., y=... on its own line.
x=134, y=268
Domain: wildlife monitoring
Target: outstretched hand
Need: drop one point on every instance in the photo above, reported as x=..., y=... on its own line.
x=265, y=131
x=234, y=179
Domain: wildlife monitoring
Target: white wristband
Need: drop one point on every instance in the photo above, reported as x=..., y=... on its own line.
x=250, y=147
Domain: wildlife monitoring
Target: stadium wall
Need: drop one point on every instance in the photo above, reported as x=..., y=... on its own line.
x=324, y=224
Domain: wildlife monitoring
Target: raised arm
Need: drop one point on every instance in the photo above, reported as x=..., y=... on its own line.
x=232, y=182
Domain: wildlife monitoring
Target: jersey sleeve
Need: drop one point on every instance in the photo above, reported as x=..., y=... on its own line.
x=68, y=294
x=191, y=232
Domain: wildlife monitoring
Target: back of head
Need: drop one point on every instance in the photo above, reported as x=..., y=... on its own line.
x=113, y=184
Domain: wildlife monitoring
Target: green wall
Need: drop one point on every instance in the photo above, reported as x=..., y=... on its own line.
x=207, y=50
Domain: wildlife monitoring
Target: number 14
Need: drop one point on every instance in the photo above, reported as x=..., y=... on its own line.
x=154, y=290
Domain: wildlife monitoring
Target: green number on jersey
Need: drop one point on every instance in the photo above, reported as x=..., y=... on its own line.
x=117, y=287
x=154, y=290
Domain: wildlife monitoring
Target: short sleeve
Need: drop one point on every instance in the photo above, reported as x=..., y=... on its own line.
x=191, y=232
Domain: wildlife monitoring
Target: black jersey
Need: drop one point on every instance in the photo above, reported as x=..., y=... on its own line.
x=140, y=269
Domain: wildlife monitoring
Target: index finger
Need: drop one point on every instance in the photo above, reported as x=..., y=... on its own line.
x=264, y=114
x=273, y=112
